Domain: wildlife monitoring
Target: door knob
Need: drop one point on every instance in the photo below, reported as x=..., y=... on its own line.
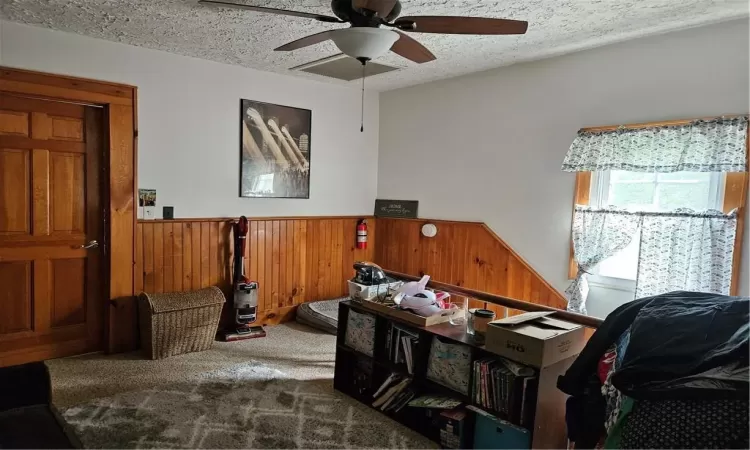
x=91, y=244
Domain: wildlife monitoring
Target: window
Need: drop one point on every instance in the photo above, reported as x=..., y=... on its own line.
x=639, y=191
x=654, y=170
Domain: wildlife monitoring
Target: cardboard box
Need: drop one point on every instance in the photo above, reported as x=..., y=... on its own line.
x=535, y=339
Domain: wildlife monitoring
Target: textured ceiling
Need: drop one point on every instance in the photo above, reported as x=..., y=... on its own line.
x=247, y=38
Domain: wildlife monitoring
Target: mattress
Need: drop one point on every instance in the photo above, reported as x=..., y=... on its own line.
x=323, y=315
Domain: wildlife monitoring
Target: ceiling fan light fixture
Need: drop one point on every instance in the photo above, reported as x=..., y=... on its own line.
x=364, y=42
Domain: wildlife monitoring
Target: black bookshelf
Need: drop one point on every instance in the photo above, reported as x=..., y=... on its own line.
x=359, y=375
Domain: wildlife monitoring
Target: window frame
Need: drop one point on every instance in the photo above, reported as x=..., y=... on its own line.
x=599, y=196
x=734, y=197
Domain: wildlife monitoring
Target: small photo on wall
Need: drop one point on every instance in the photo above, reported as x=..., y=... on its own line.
x=147, y=203
x=274, y=150
x=146, y=197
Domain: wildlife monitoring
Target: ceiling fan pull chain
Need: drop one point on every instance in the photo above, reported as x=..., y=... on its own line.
x=362, y=112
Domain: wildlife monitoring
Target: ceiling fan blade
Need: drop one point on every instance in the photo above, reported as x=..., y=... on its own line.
x=382, y=7
x=409, y=48
x=304, y=42
x=461, y=25
x=286, y=12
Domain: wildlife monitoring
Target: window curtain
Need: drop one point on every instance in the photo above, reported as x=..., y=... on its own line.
x=686, y=251
x=597, y=235
x=716, y=145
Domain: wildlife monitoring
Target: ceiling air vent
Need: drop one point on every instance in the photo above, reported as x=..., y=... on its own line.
x=343, y=67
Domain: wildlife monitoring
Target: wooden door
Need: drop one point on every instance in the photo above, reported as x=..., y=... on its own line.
x=51, y=285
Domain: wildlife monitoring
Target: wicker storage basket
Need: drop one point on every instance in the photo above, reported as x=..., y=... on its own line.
x=179, y=322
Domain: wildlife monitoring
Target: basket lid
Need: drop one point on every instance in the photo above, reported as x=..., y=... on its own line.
x=175, y=301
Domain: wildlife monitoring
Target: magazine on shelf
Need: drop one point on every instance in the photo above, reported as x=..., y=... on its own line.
x=435, y=401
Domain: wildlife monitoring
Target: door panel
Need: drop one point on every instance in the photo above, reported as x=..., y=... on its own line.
x=68, y=292
x=66, y=128
x=66, y=186
x=14, y=123
x=15, y=296
x=14, y=191
x=40, y=189
x=51, y=301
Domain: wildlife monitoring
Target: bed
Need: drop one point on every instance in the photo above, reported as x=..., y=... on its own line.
x=323, y=314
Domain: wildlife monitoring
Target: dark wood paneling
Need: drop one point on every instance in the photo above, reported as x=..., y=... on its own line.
x=464, y=254
x=291, y=265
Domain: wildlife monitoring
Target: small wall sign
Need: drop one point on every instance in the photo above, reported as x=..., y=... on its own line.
x=405, y=209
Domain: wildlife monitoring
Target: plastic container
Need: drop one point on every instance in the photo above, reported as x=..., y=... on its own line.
x=477, y=324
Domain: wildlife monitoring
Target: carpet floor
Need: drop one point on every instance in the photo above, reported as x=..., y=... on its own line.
x=246, y=406
x=300, y=352
x=272, y=392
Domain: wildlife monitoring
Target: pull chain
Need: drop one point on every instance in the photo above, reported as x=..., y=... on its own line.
x=362, y=112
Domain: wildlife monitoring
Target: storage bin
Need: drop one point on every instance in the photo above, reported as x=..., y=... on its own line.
x=360, y=332
x=450, y=364
x=494, y=433
x=179, y=322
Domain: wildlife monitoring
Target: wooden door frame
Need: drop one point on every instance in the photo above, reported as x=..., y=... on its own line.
x=120, y=159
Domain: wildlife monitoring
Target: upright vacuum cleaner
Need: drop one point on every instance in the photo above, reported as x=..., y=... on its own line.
x=245, y=298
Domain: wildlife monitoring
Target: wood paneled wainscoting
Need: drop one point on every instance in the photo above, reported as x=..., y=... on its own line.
x=294, y=260
x=466, y=254
x=302, y=259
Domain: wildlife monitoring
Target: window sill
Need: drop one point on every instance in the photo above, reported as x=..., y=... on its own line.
x=618, y=284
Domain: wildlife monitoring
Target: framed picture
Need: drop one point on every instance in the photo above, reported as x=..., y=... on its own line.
x=274, y=150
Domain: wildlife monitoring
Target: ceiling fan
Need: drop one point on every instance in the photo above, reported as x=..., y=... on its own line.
x=365, y=40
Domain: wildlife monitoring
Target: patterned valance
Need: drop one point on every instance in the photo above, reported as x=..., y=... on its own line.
x=717, y=145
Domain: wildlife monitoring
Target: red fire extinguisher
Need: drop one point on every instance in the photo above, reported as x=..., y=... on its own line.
x=362, y=234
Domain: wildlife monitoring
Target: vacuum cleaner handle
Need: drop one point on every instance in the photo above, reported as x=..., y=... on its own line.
x=240, y=236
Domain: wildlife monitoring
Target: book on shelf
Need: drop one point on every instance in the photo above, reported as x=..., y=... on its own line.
x=390, y=388
x=505, y=388
x=528, y=401
x=406, y=343
x=401, y=346
x=488, y=388
x=391, y=378
x=393, y=394
x=400, y=400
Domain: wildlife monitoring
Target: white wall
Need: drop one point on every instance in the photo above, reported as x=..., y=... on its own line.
x=188, y=115
x=489, y=146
